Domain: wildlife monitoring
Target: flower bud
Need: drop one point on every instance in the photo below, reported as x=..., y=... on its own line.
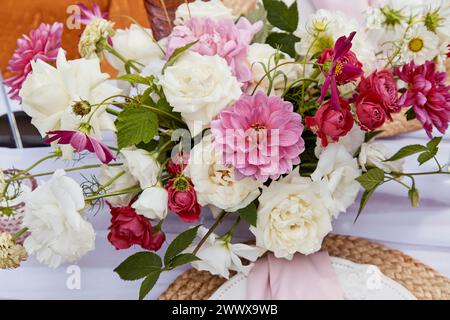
x=81, y=108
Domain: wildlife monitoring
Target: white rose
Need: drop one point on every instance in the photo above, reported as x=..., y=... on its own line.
x=291, y=217
x=141, y=165
x=218, y=256
x=49, y=93
x=213, y=9
x=263, y=54
x=374, y=155
x=125, y=181
x=351, y=142
x=58, y=231
x=135, y=43
x=337, y=169
x=199, y=87
x=215, y=183
x=152, y=203
x=95, y=32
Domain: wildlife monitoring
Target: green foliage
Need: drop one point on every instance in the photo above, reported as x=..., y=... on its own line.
x=249, y=214
x=177, y=54
x=136, y=125
x=407, y=151
x=371, y=179
x=284, y=41
x=180, y=243
x=139, y=266
x=282, y=16
x=260, y=14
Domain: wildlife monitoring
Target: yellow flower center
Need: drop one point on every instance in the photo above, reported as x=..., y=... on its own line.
x=415, y=45
x=338, y=69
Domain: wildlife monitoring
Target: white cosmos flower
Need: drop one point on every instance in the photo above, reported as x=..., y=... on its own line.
x=218, y=256
x=263, y=56
x=59, y=233
x=141, y=165
x=215, y=183
x=152, y=203
x=213, y=9
x=49, y=93
x=95, y=32
x=199, y=87
x=420, y=45
x=125, y=181
x=351, y=142
x=374, y=155
x=291, y=217
x=337, y=169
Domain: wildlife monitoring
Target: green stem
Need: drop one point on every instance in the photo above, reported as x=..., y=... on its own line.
x=125, y=61
x=113, y=112
x=399, y=48
x=19, y=234
x=113, y=194
x=163, y=113
x=210, y=231
x=110, y=182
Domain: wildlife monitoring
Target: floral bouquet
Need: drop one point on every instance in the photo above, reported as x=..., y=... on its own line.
x=263, y=118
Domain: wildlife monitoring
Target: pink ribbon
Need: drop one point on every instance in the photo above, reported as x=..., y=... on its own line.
x=303, y=278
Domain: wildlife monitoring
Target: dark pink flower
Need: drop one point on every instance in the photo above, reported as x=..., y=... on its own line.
x=348, y=68
x=177, y=164
x=80, y=142
x=88, y=15
x=183, y=199
x=370, y=112
x=428, y=94
x=330, y=124
x=43, y=43
x=340, y=68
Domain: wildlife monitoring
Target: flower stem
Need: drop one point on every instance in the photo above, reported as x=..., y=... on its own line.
x=113, y=112
x=210, y=231
x=113, y=194
x=110, y=182
x=127, y=63
x=18, y=234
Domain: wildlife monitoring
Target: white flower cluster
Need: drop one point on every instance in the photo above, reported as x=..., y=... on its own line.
x=96, y=32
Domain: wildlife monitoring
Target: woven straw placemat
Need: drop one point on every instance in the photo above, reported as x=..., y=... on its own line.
x=419, y=279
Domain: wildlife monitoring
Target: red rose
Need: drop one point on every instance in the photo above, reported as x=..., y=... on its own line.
x=382, y=84
x=348, y=68
x=329, y=124
x=371, y=114
x=183, y=199
x=129, y=228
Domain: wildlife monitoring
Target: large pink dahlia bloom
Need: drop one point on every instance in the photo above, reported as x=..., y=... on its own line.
x=428, y=94
x=260, y=136
x=43, y=43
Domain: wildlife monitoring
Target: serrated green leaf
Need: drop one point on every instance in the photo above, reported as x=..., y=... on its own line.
x=407, y=151
x=425, y=157
x=148, y=284
x=177, y=54
x=135, y=78
x=249, y=214
x=364, y=200
x=413, y=195
x=371, y=179
x=410, y=114
x=182, y=259
x=135, y=125
x=372, y=134
x=433, y=143
x=180, y=243
x=284, y=41
x=139, y=266
x=282, y=16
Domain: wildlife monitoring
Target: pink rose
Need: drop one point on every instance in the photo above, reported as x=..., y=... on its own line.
x=348, y=68
x=183, y=199
x=330, y=124
x=371, y=114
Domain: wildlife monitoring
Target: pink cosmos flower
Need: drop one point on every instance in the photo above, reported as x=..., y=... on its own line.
x=428, y=94
x=341, y=64
x=87, y=15
x=224, y=38
x=260, y=136
x=43, y=43
x=80, y=142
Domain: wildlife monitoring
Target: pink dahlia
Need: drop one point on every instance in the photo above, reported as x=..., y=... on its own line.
x=260, y=136
x=428, y=94
x=43, y=43
x=88, y=15
x=224, y=38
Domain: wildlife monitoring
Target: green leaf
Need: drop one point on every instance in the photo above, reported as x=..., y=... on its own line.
x=148, y=284
x=280, y=16
x=371, y=179
x=364, y=200
x=407, y=151
x=433, y=143
x=284, y=41
x=372, y=134
x=410, y=114
x=425, y=157
x=260, y=14
x=177, y=54
x=139, y=266
x=249, y=214
x=135, y=78
x=182, y=259
x=135, y=125
x=180, y=243
x=413, y=195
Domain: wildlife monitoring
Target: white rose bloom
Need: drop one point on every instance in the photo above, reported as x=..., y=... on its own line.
x=218, y=256
x=263, y=54
x=213, y=9
x=351, y=142
x=291, y=217
x=49, y=93
x=95, y=32
x=337, y=169
x=125, y=181
x=58, y=231
x=152, y=203
x=199, y=87
x=374, y=155
x=135, y=43
x=214, y=182
x=141, y=165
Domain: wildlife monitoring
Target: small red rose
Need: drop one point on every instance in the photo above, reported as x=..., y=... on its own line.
x=183, y=199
